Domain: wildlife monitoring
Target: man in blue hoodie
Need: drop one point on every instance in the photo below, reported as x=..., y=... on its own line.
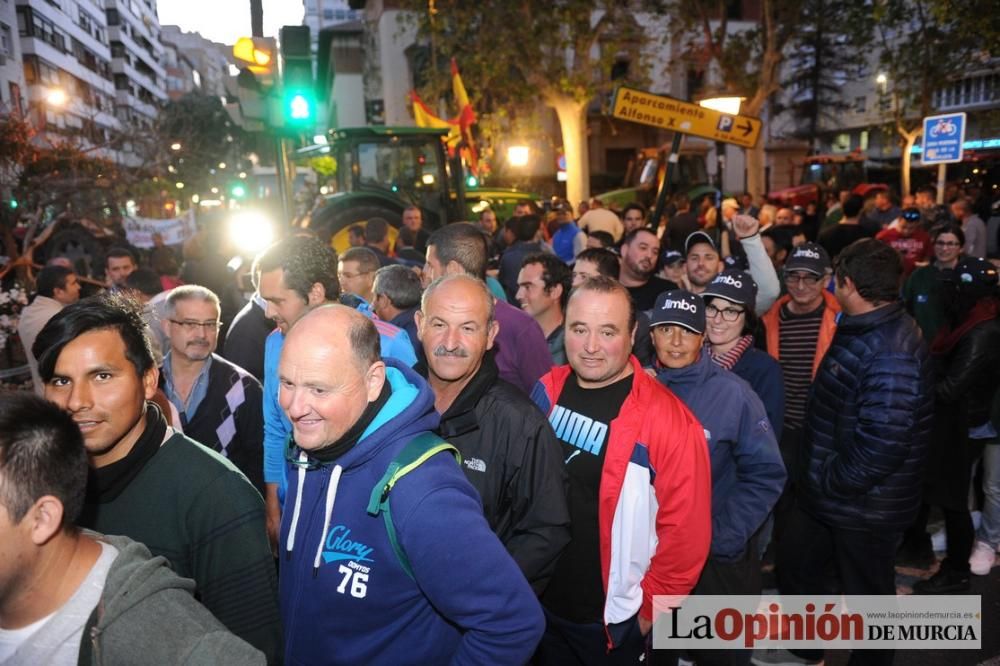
x=347, y=596
x=747, y=472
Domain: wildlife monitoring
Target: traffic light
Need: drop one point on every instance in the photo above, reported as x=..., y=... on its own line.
x=298, y=98
x=258, y=56
x=237, y=190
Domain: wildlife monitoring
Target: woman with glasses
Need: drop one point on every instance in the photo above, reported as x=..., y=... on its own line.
x=730, y=327
x=922, y=291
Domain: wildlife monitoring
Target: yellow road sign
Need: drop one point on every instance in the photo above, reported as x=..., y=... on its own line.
x=672, y=114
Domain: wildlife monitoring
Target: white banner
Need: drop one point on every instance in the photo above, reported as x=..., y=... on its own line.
x=140, y=230
x=913, y=622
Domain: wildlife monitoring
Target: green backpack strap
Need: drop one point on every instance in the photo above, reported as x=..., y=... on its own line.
x=416, y=452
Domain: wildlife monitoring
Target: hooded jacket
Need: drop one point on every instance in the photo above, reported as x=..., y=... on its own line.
x=867, y=424
x=827, y=328
x=512, y=457
x=395, y=343
x=655, y=498
x=148, y=615
x=747, y=473
x=346, y=598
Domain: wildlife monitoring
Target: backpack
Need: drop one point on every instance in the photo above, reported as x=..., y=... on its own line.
x=416, y=452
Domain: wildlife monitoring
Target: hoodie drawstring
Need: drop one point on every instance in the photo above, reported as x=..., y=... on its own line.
x=290, y=543
x=331, y=494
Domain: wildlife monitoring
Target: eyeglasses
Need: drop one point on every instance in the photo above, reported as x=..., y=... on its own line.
x=941, y=243
x=795, y=278
x=728, y=314
x=190, y=326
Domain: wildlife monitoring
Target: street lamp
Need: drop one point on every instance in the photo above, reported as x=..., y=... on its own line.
x=518, y=156
x=175, y=146
x=882, y=80
x=56, y=97
x=729, y=104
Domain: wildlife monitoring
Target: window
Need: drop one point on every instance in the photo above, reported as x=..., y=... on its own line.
x=112, y=17
x=5, y=39
x=859, y=104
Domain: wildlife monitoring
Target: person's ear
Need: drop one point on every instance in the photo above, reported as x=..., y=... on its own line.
x=419, y=319
x=317, y=294
x=491, y=334
x=150, y=382
x=454, y=268
x=375, y=380
x=45, y=519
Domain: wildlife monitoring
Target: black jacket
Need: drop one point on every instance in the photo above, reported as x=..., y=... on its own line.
x=868, y=421
x=968, y=375
x=512, y=457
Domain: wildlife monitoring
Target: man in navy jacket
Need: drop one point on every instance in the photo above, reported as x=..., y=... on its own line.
x=859, y=473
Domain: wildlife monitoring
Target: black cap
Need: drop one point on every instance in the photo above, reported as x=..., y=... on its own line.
x=698, y=237
x=679, y=307
x=671, y=257
x=733, y=285
x=809, y=257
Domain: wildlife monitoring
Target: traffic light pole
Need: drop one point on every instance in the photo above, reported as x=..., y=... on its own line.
x=284, y=181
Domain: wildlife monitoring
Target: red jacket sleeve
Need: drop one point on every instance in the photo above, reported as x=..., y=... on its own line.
x=683, y=487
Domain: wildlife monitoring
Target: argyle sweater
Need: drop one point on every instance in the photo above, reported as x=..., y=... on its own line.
x=230, y=418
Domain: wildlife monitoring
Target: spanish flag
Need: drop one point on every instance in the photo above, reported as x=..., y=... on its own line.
x=460, y=127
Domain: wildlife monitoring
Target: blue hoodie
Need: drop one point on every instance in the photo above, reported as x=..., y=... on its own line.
x=395, y=343
x=345, y=599
x=747, y=473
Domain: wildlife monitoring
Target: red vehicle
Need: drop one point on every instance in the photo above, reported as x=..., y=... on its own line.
x=828, y=173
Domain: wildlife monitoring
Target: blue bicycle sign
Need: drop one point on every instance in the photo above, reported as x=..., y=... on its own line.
x=943, y=137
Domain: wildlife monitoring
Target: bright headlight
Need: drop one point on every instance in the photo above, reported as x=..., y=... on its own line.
x=250, y=231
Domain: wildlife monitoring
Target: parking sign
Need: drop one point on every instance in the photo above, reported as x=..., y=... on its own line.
x=943, y=138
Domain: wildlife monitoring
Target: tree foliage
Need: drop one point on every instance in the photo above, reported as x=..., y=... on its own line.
x=829, y=48
x=514, y=54
x=924, y=45
x=207, y=136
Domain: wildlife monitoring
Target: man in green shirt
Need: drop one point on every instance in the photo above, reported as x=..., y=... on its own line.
x=150, y=483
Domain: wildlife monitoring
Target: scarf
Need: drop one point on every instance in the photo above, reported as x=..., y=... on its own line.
x=984, y=310
x=731, y=357
x=334, y=450
x=105, y=484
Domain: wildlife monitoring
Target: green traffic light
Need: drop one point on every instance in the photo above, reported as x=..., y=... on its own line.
x=299, y=107
x=472, y=181
x=238, y=191
x=13, y=203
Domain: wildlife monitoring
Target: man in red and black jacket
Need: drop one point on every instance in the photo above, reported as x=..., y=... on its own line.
x=639, y=490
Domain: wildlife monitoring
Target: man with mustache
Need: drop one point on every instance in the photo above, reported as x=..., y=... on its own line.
x=219, y=403
x=640, y=250
x=509, y=452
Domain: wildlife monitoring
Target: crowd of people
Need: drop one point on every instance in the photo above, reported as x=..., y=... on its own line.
x=496, y=443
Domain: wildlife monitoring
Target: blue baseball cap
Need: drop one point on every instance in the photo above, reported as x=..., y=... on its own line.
x=679, y=307
x=733, y=285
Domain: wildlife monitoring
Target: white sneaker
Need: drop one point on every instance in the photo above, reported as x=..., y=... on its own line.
x=983, y=558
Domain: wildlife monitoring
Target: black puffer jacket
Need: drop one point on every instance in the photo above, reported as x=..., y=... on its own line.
x=512, y=457
x=867, y=424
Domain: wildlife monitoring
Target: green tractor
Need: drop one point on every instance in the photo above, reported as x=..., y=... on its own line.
x=645, y=174
x=383, y=170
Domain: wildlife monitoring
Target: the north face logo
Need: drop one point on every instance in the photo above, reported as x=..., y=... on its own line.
x=671, y=304
x=806, y=252
x=730, y=280
x=475, y=464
